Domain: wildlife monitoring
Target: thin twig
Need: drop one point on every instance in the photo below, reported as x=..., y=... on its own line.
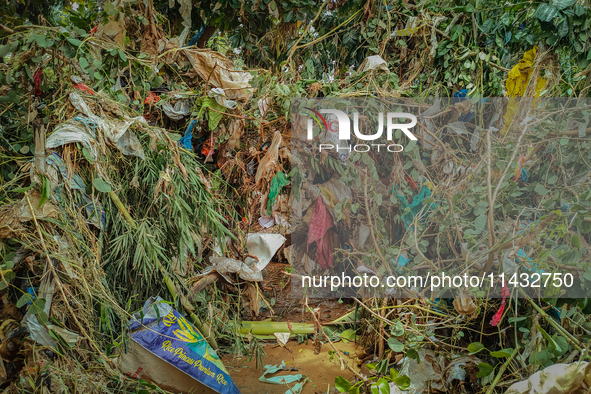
x=373, y=313
x=373, y=236
x=344, y=363
x=491, y=223
x=295, y=46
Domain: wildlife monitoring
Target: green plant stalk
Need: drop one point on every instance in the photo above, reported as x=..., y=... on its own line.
x=270, y=328
x=122, y=209
x=491, y=388
x=568, y=336
x=204, y=329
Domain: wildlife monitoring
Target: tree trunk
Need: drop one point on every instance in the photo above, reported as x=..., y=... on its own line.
x=209, y=30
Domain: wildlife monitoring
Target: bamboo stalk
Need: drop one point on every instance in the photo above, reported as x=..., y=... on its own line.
x=204, y=329
x=270, y=328
x=122, y=209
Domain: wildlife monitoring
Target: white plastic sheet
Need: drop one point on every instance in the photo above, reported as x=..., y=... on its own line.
x=263, y=246
x=375, y=62
x=556, y=379
x=116, y=132
x=220, y=96
x=180, y=110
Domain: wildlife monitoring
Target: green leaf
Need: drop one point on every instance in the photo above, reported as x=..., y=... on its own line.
x=101, y=185
x=38, y=306
x=122, y=55
x=484, y=369
x=502, y=353
x=475, y=347
x=8, y=276
x=541, y=190
x=383, y=386
x=83, y=63
x=8, y=48
x=576, y=241
x=21, y=189
x=403, y=382
x=549, y=338
x=348, y=335
x=546, y=12
x=45, y=192
x=75, y=42
x=516, y=319
x=562, y=4
x=498, y=39
x=393, y=374
x=382, y=367
x=25, y=298
x=87, y=155
x=412, y=353
x=563, y=31
x=68, y=51
x=398, y=328
x=342, y=384
x=395, y=344
x=214, y=119
x=562, y=345
x=40, y=40
x=480, y=223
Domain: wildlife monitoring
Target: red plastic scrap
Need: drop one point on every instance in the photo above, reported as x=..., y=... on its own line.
x=518, y=167
x=411, y=182
x=84, y=88
x=37, y=80
x=497, y=317
x=319, y=225
x=207, y=149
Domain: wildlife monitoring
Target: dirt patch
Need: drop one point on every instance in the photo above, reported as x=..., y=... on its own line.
x=276, y=286
x=321, y=369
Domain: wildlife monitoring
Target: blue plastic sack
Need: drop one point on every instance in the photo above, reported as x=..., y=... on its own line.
x=168, y=335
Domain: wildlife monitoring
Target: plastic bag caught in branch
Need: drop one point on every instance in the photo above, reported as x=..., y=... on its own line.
x=116, y=132
x=263, y=246
x=375, y=63
x=406, y=32
x=517, y=83
x=269, y=161
x=180, y=110
x=226, y=265
x=114, y=30
x=79, y=129
x=220, y=96
x=218, y=70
